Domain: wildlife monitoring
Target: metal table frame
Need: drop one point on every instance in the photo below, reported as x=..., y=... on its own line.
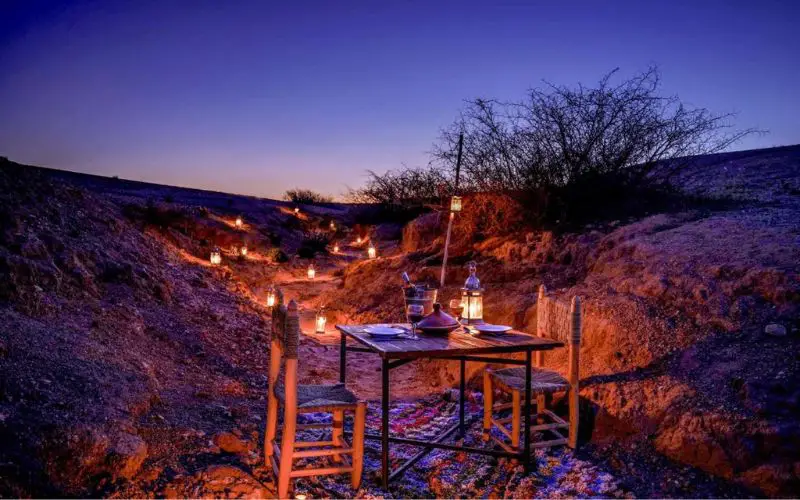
x=387, y=364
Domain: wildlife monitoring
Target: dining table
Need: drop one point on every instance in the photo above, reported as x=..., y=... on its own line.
x=461, y=345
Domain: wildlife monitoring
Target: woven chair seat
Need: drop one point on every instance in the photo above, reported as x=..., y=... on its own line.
x=319, y=396
x=542, y=381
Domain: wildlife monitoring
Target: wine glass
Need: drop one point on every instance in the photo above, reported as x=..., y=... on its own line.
x=415, y=313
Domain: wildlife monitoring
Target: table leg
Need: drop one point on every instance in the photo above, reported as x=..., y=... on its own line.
x=461, y=389
x=342, y=357
x=385, y=426
x=526, y=461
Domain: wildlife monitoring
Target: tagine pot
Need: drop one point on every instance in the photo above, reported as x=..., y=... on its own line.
x=438, y=322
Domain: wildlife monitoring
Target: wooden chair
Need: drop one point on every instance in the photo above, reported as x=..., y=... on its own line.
x=297, y=398
x=553, y=320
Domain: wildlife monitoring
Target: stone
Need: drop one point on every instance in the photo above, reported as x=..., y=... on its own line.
x=127, y=455
x=225, y=481
x=230, y=443
x=775, y=330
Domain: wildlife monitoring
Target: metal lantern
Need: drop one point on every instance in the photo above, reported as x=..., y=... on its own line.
x=371, y=252
x=455, y=204
x=472, y=298
x=239, y=222
x=216, y=257
x=311, y=272
x=321, y=321
x=271, y=296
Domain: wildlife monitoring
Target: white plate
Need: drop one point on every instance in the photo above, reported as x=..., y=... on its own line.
x=495, y=329
x=383, y=331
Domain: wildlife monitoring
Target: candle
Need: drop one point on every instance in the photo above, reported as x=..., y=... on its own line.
x=216, y=257
x=321, y=321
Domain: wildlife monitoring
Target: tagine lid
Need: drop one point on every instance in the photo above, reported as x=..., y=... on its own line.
x=437, y=319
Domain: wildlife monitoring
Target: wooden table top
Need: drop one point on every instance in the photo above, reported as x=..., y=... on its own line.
x=456, y=343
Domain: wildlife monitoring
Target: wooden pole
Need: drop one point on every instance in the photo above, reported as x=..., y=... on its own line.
x=452, y=214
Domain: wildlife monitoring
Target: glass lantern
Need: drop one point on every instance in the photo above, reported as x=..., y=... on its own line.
x=311, y=273
x=216, y=256
x=239, y=222
x=472, y=298
x=320, y=321
x=271, y=296
x=371, y=252
x=455, y=204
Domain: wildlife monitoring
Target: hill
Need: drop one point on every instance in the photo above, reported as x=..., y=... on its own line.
x=131, y=367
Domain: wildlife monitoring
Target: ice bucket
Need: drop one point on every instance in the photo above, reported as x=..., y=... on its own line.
x=420, y=294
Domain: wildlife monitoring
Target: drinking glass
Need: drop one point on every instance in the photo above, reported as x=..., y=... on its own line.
x=415, y=313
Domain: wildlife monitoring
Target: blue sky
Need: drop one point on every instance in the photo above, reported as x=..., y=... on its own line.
x=257, y=97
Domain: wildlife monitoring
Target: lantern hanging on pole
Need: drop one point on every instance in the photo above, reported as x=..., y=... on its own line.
x=371, y=252
x=216, y=257
x=321, y=321
x=311, y=273
x=271, y=296
x=472, y=298
x=455, y=204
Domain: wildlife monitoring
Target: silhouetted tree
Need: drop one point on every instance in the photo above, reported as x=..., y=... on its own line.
x=560, y=136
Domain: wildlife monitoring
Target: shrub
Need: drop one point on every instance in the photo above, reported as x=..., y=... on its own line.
x=568, y=154
x=154, y=215
x=313, y=243
x=275, y=239
x=403, y=188
x=306, y=196
x=379, y=213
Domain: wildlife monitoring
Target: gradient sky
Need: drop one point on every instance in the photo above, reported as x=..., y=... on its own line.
x=257, y=97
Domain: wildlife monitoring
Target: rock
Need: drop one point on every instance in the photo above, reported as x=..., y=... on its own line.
x=421, y=232
x=225, y=481
x=230, y=443
x=127, y=454
x=775, y=330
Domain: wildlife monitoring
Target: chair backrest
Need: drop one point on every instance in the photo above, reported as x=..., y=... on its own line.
x=285, y=341
x=558, y=321
x=286, y=326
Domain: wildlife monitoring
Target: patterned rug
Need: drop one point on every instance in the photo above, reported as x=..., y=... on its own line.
x=450, y=474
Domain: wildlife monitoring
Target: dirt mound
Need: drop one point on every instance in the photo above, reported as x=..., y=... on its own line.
x=108, y=338
x=129, y=367
x=675, y=356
